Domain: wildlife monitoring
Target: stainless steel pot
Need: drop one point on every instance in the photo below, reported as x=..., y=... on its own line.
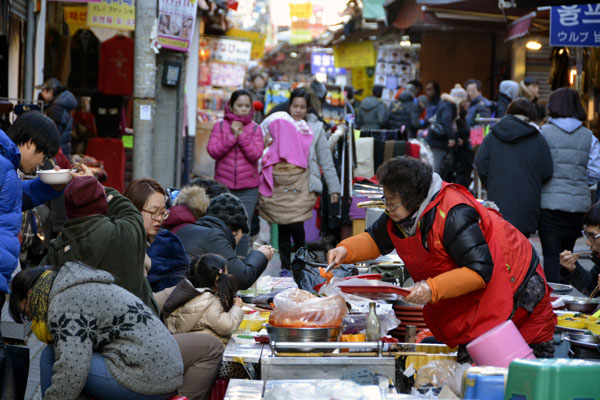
x=304, y=335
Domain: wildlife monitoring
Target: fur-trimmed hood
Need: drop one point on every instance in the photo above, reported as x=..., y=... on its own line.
x=195, y=198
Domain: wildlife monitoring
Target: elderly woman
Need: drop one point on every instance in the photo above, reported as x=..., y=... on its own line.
x=473, y=270
x=103, y=341
x=291, y=174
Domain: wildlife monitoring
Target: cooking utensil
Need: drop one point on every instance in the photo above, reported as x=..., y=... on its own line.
x=582, y=337
x=330, y=267
x=592, y=295
x=304, y=335
x=581, y=306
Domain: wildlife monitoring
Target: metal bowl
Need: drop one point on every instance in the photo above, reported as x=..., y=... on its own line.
x=581, y=306
x=304, y=335
x=584, y=338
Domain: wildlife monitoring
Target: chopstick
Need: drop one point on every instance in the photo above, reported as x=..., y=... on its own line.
x=592, y=295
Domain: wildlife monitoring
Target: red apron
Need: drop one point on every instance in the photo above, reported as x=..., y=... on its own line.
x=461, y=319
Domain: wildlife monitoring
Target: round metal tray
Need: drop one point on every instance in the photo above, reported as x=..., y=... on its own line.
x=304, y=335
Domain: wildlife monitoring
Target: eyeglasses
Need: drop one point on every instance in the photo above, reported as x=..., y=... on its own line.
x=589, y=235
x=390, y=206
x=158, y=215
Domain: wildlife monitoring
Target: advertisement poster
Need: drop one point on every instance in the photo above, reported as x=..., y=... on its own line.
x=354, y=54
x=227, y=50
x=176, y=20
x=116, y=14
x=227, y=74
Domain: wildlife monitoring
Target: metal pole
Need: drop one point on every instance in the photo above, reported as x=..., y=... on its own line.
x=144, y=90
x=29, y=43
x=579, y=65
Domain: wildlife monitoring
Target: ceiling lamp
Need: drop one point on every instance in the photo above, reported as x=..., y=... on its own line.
x=533, y=45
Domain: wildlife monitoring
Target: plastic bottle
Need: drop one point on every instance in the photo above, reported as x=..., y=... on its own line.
x=373, y=326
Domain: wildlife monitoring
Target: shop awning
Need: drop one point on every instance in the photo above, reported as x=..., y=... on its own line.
x=519, y=27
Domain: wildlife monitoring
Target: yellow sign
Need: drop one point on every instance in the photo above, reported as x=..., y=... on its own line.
x=117, y=14
x=300, y=36
x=301, y=11
x=76, y=18
x=354, y=54
x=257, y=39
x=362, y=80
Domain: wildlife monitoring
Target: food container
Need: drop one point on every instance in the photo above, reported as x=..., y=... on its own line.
x=304, y=335
x=572, y=322
x=593, y=326
x=582, y=306
x=499, y=346
x=55, y=177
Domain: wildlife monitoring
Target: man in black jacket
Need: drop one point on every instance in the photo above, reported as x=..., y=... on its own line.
x=59, y=104
x=219, y=232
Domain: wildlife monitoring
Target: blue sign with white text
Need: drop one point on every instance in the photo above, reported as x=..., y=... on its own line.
x=577, y=25
x=323, y=62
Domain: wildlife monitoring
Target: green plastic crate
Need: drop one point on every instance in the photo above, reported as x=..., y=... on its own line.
x=553, y=379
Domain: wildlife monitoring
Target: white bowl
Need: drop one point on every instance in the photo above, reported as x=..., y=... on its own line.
x=55, y=177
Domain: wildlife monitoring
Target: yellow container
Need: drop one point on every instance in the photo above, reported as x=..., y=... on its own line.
x=594, y=327
x=577, y=323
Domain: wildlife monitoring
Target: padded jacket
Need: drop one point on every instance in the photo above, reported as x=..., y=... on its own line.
x=236, y=157
x=210, y=235
x=59, y=110
x=15, y=196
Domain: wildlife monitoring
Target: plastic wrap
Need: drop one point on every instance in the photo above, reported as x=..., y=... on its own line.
x=296, y=308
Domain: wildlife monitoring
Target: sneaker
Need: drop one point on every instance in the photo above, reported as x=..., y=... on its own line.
x=285, y=273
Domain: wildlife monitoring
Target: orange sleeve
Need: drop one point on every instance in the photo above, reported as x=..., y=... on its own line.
x=454, y=283
x=360, y=247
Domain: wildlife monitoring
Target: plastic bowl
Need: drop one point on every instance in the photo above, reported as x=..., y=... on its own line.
x=55, y=177
x=499, y=346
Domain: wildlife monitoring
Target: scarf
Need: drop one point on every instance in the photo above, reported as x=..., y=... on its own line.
x=39, y=298
x=244, y=119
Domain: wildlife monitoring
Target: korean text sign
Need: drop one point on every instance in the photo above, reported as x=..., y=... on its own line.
x=228, y=50
x=323, y=62
x=117, y=14
x=577, y=25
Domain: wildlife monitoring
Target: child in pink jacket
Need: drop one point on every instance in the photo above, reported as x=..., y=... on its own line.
x=236, y=144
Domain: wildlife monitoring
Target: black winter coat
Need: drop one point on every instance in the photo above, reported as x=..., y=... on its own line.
x=502, y=105
x=513, y=162
x=404, y=112
x=445, y=115
x=585, y=281
x=210, y=235
x=59, y=110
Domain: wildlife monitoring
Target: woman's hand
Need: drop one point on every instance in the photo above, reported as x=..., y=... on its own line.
x=237, y=128
x=337, y=255
x=267, y=250
x=568, y=260
x=334, y=197
x=420, y=293
x=81, y=170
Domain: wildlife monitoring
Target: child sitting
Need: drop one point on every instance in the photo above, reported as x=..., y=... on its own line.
x=206, y=302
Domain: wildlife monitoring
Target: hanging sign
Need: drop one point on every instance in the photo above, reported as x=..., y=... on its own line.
x=75, y=17
x=301, y=11
x=323, y=62
x=577, y=25
x=116, y=14
x=354, y=54
x=176, y=20
x=257, y=39
x=227, y=50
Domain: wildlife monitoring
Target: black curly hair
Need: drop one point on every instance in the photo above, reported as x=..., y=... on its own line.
x=407, y=178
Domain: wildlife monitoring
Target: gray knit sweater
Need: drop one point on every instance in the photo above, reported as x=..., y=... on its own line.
x=88, y=313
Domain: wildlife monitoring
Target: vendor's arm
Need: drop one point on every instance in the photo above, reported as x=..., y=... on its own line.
x=36, y=192
x=454, y=283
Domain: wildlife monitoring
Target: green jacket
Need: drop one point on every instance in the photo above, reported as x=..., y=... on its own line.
x=116, y=244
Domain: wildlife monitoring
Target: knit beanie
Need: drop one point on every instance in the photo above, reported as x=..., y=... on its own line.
x=85, y=196
x=230, y=210
x=458, y=92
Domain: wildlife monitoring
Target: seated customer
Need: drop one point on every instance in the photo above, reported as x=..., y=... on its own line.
x=103, y=341
x=190, y=204
x=583, y=279
x=219, y=232
x=104, y=230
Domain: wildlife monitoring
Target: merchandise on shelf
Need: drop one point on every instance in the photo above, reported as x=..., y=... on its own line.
x=396, y=66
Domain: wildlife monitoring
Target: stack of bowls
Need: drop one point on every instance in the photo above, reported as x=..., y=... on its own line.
x=408, y=314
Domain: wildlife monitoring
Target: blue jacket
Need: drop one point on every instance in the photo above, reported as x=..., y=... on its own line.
x=15, y=196
x=170, y=263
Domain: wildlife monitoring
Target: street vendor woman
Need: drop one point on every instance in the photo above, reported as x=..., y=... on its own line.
x=472, y=269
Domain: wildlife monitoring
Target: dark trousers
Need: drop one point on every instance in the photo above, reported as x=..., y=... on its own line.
x=286, y=233
x=558, y=231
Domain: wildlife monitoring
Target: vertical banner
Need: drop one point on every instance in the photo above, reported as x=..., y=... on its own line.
x=176, y=20
x=116, y=14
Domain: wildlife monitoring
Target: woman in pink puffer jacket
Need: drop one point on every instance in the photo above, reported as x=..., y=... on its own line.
x=236, y=144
